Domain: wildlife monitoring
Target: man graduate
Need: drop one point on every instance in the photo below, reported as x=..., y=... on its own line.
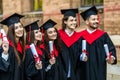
x=99, y=47
x=70, y=39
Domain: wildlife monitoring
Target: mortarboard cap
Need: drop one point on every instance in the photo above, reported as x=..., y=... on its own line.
x=91, y=11
x=32, y=26
x=48, y=24
x=69, y=12
x=14, y=18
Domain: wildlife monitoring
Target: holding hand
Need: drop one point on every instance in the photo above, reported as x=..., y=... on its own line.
x=5, y=47
x=86, y=58
x=38, y=65
x=52, y=60
x=111, y=60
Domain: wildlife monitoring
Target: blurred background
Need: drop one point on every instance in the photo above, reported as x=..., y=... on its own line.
x=109, y=13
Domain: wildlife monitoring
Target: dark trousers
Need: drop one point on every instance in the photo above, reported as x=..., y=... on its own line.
x=68, y=78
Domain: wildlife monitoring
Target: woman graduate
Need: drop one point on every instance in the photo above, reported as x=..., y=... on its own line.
x=34, y=60
x=16, y=52
x=53, y=50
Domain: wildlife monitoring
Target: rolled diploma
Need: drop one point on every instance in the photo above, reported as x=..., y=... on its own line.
x=4, y=35
x=82, y=56
x=33, y=49
x=106, y=50
x=51, y=46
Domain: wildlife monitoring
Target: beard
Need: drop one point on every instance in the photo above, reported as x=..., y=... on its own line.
x=94, y=26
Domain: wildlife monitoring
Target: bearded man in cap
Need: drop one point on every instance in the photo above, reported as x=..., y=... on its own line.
x=99, y=47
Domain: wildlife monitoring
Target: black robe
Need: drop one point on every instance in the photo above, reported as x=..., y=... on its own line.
x=54, y=73
x=70, y=54
x=10, y=70
x=95, y=67
x=31, y=73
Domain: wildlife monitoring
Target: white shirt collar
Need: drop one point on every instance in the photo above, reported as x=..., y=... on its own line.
x=89, y=31
x=69, y=34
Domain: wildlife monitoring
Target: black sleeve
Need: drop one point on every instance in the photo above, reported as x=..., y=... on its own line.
x=111, y=47
x=4, y=65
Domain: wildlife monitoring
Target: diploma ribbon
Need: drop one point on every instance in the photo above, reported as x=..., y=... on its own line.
x=84, y=51
x=37, y=59
x=109, y=56
x=52, y=54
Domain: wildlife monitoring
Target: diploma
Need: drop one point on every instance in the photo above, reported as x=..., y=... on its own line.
x=4, y=35
x=51, y=46
x=84, y=52
x=34, y=52
x=107, y=51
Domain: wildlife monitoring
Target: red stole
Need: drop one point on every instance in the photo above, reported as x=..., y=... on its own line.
x=55, y=52
x=69, y=40
x=37, y=49
x=90, y=38
x=19, y=46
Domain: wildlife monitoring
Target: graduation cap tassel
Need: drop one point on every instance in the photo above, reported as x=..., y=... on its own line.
x=99, y=19
x=1, y=35
x=78, y=19
x=42, y=30
x=29, y=34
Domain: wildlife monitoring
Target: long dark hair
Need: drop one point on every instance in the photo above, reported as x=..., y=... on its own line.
x=30, y=38
x=12, y=38
x=57, y=42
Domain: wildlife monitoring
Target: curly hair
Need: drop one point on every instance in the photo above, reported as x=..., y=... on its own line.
x=57, y=42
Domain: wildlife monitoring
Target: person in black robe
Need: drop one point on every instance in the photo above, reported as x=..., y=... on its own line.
x=70, y=47
x=51, y=37
x=12, y=68
x=34, y=63
x=4, y=47
x=96, y=39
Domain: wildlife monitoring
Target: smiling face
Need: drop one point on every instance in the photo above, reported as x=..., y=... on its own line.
x=18, y=28
x=38, y=35
x=52, y=34
x=92, y=22
x=71, y=23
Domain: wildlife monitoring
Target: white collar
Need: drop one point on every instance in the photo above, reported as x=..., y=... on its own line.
x=89, y=31
x=69, y=34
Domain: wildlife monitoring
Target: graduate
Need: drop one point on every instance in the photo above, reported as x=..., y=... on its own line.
x=34, y=61
x=99, y=47
x=70, y=38
x=52, y=46
x=4, y=47
x=12, y=66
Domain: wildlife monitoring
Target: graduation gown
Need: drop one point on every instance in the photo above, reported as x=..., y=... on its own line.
x=95, y=67
x=54, y=73
x=4, y=74
x=10, y=70
x=31, y=73
x=70, y=54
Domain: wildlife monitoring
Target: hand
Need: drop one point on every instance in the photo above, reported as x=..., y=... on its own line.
x=52, y=60
x=86, y=58
x=38, y=65
x=110, y=61
x=0, y=41
x=5, y=47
